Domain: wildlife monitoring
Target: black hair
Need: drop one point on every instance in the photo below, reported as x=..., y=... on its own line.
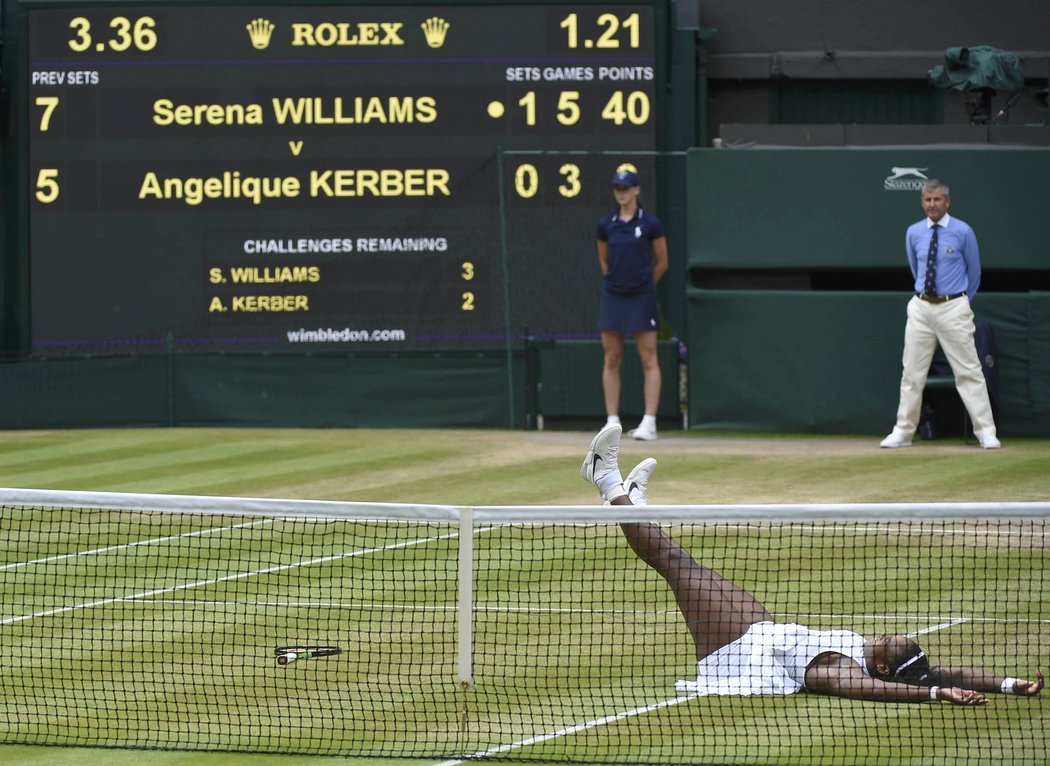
x=913, y=667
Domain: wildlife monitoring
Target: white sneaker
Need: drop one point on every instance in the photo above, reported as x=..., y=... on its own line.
x=601, y=460
x=895, y=440
x=643, y=434
x=989, y=442
x=637, y=482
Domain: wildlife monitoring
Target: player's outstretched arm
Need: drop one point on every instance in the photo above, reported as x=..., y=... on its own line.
x=985, y=681
x=840, y=676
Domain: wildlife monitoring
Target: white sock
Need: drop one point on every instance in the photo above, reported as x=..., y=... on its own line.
x=610, y=483
x=612, y=419
x=648, y=421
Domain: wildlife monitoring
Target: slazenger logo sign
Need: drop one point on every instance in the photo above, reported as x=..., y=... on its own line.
x=905, y=179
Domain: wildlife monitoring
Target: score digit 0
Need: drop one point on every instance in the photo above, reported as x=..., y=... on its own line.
x=527, y=180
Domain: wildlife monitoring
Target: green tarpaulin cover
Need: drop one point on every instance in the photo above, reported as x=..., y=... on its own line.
x=981, y=66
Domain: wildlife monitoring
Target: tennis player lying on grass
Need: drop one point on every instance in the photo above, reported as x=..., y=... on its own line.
x=740, y=649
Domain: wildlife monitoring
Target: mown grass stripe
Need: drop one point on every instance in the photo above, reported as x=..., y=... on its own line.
x=125, y=546
x=227, y=578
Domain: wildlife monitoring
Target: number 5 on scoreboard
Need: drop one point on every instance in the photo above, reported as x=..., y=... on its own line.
x=47, y=185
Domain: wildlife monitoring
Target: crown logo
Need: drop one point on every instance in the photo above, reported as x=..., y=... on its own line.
x=434, y=30
x=259, y=31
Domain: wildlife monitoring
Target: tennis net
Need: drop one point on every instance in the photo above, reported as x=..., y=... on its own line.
x=524, y=633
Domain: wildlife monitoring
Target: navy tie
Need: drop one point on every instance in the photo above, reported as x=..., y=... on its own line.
x=930, y=288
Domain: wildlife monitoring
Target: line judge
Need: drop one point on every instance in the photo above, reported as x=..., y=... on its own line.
x=946, y=265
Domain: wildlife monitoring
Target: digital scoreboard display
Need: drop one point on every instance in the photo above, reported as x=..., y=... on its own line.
x=296, y=177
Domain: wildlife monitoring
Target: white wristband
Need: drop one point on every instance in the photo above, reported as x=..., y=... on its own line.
x=933, y=692
x=1008, y=685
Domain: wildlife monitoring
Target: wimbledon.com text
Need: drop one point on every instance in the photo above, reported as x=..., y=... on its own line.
x=346, y=335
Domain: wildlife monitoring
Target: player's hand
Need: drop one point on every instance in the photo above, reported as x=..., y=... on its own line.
x=957, y=696
x=1026, y=688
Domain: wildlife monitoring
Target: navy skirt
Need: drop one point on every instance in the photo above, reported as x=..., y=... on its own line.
x=628, y=313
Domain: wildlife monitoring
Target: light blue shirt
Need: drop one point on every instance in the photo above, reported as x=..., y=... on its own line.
x=958, y=259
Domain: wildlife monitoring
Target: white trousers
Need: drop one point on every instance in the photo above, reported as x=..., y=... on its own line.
x=950, y=324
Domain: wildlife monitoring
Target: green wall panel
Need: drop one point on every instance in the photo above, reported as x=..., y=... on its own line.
x=571, y=375
x=456, y=390
x=1032, y=353
x=830, y=208
x=82, y=393
x=410, y=391
x=789, y=361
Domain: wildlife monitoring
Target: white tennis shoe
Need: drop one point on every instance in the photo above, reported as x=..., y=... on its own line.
x=643, y=433
x=601, y=466
x=989, y=441
x=895, y=441
x=637, y=482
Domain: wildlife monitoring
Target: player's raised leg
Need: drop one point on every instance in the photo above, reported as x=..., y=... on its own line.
x=716, y=611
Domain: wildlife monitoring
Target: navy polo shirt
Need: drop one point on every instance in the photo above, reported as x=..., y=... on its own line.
x=630, y=250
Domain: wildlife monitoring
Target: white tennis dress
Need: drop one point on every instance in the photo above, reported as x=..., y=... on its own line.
x=771, y=658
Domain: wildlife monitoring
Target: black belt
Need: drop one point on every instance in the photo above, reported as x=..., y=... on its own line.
x=938, y=298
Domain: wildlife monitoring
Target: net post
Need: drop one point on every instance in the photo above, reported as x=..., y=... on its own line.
x=465, y=611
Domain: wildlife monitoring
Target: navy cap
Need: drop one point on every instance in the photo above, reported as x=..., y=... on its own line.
x=625, y=178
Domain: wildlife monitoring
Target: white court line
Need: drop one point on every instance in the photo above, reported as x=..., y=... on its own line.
x=227, y=578
x=618, y=716
x=125, y=546
x=570, y=730
x=939, y=626
x=890, y=617
x=391, y=607
x=906, y=528
x=410, y=607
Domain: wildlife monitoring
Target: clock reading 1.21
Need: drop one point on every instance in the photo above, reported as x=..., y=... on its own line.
x=611, y=31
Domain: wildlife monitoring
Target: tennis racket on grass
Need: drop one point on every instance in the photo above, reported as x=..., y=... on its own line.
x=286, y=655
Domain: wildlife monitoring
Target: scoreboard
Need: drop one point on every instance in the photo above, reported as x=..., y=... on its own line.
x=295, y=177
